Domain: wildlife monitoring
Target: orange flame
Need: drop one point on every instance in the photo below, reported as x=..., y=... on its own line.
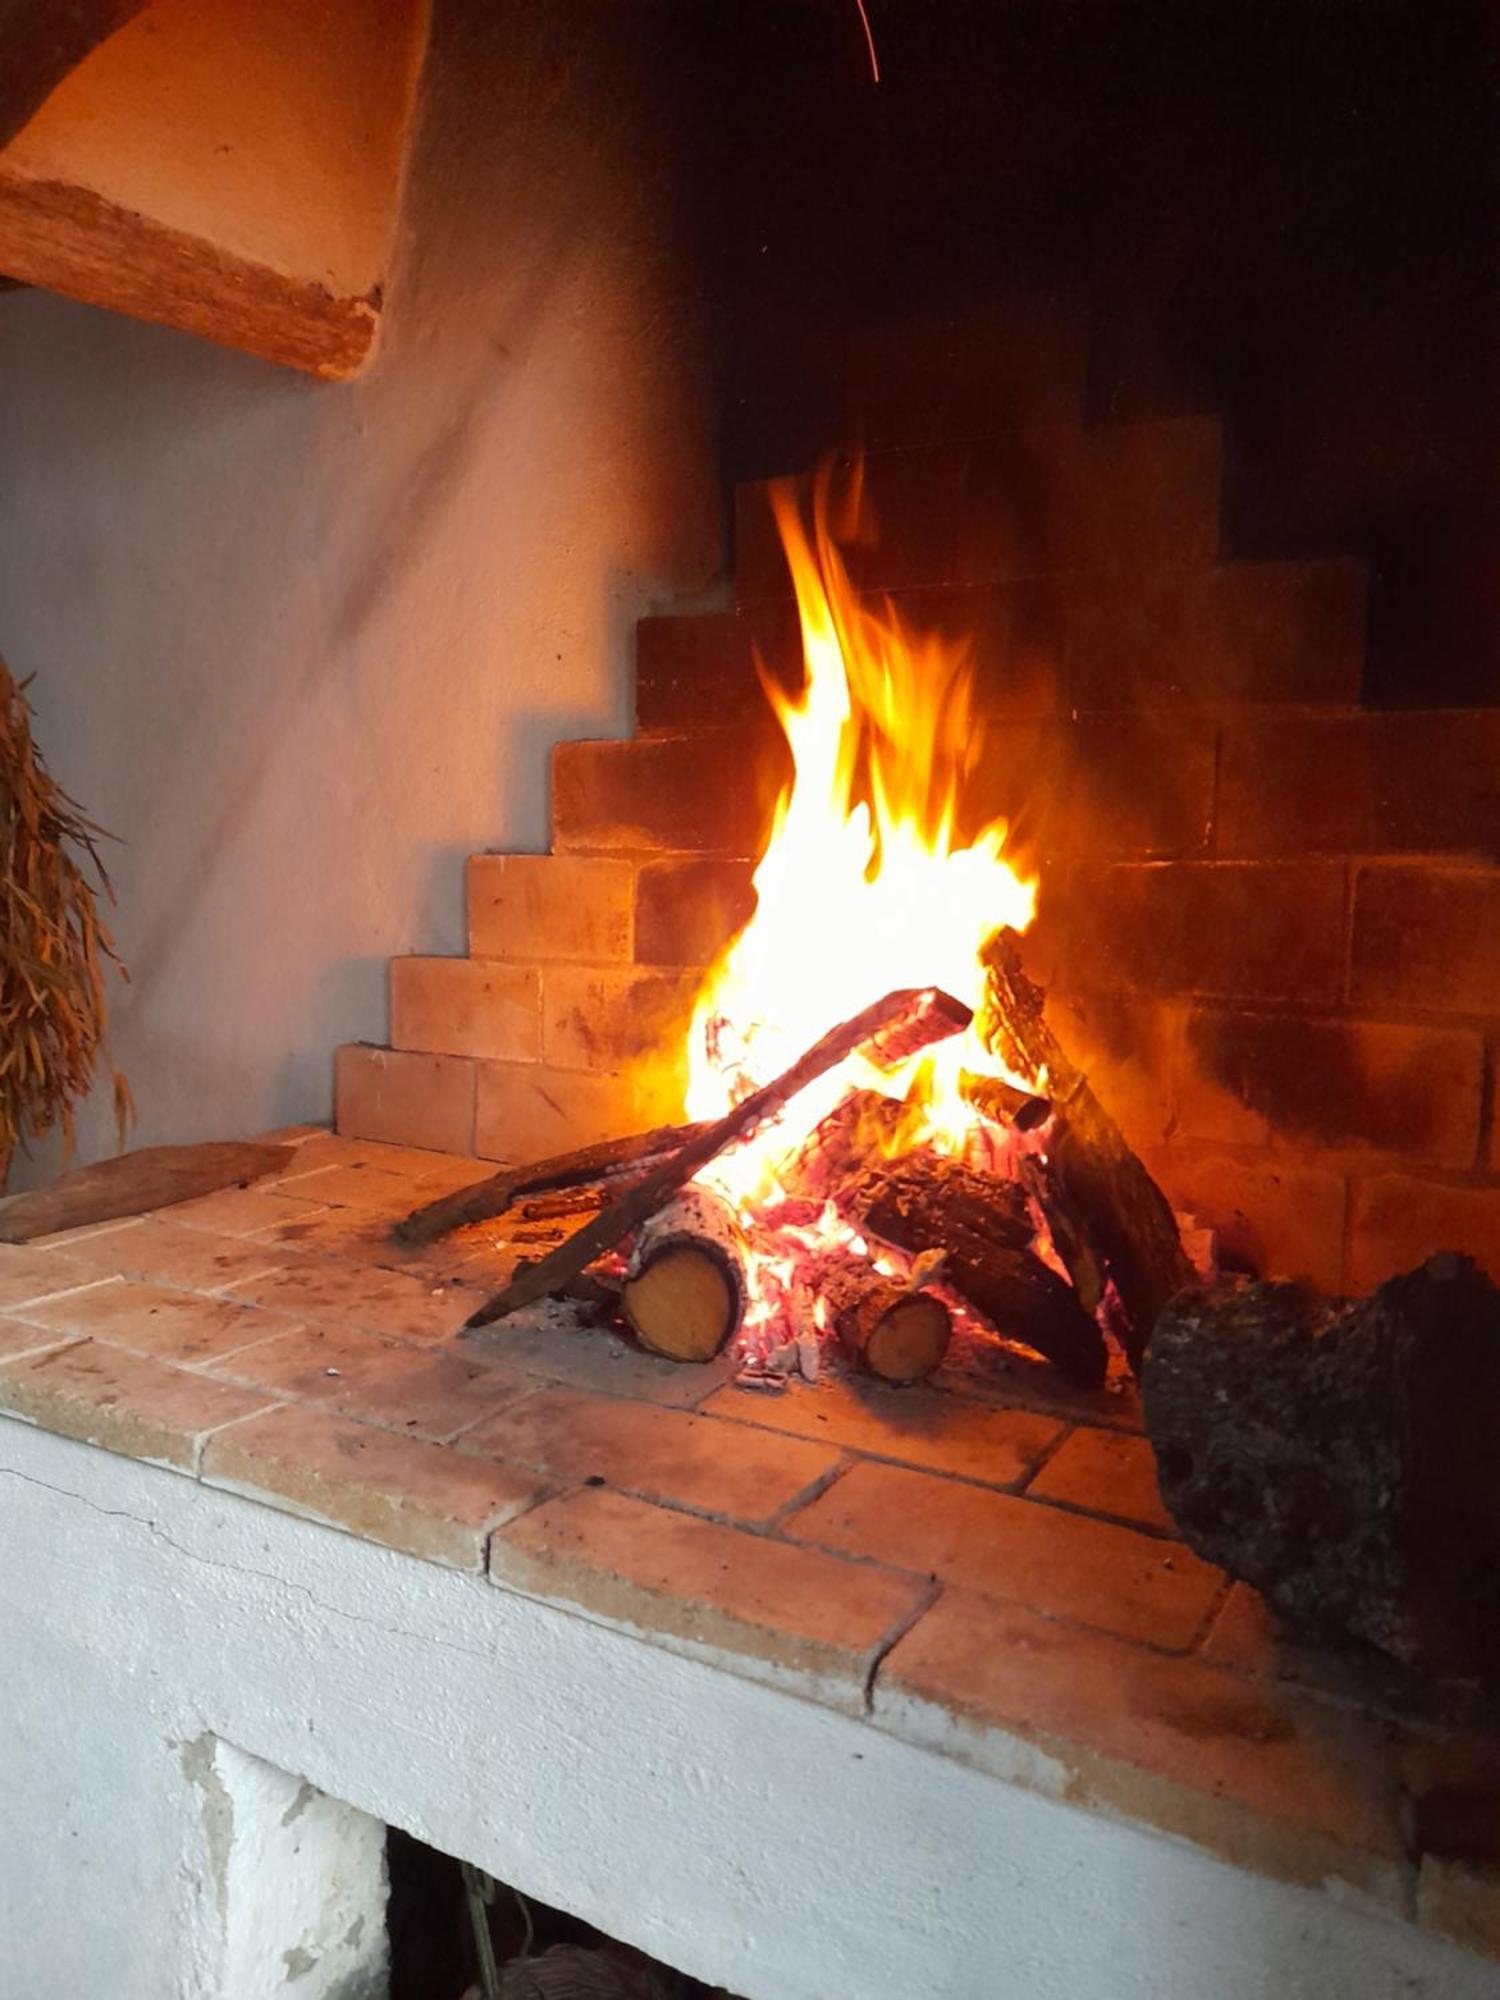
x=861, y=888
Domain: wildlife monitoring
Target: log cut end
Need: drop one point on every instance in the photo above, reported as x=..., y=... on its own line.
x=908, y=1340
x=684, y=1304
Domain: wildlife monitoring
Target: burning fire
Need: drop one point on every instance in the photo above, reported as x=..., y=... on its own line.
x=861, y=888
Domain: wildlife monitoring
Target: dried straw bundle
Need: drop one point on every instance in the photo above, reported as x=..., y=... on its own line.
x=53, y=943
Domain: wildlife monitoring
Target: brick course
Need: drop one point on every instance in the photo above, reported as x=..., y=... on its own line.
x=466, y=1007
x=544, y=906
x=1427, y=938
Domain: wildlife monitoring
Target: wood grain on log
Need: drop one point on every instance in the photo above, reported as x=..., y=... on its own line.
x=153, y=1177
x=685, y=1292
x=1110, y=1202
x=1341, y=1456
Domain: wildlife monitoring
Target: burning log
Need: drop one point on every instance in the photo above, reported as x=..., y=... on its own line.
x=1096, y=1187
x=1004, y=1103
x=981, y=1226
x=897, y=1330
x=1340, y=1456
x=900, y=1020
x=589, y=1166
x=685, y=1292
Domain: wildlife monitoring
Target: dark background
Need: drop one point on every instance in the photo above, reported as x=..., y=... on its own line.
x=1288, y=213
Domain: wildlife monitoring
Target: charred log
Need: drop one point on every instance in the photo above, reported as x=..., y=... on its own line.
x=1108, y=1201
x=983, y=1229
x=894, y=1328
x=1340, y=1456
x=906, y=1020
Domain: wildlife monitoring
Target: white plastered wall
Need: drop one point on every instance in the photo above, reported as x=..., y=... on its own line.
x=303, y=647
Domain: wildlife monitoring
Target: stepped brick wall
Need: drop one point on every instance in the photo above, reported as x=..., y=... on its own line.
x=1270, y=919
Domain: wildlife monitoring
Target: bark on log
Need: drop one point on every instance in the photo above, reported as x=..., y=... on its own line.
x=1003, y=1103
x=902, y=1017
x=928, y=1203
x=1111, y=1203
x=895, y=1329
x=594, y=1165
x=685, y=1292
x=1341, y=1456
x=153, y=1177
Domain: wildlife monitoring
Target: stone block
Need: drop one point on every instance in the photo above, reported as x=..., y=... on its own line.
x=1243, y=632
x=1336, y=1085
x=964, y=1438
x=1396, y=782
x=127, y=1403
x=166, y=1252
x=1397, y=1221
x=1427, y=938
x=709, y=792
x=699, y=671
x=150, y=1319
x=421, y=1498
x=1290, y=1787
x=419, y=1391
x=1104, y=1472
x=535, y=907
x=466, y=1007
x=404, y=1099
x=348, y=1296
x=1275, y=1217
x=1247, y=931
x=610, y=1020
x=687, y=910
x=947, y=378
x=27, y=1273
x=790, y=1615
x=1065, y=1565
x=658, y=1454
x=532, y=1111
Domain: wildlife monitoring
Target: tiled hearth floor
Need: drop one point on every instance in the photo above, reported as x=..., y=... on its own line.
x=982, y=1567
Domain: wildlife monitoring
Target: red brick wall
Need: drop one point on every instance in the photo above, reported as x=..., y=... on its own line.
x=1269, y=920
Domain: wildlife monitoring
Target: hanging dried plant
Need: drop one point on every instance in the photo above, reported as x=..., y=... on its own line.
x=54, y=946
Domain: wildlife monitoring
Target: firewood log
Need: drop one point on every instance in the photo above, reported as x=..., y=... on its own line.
x=1111, y=1203
x=685, y=1292
x=907, y=1019
x=132, y=1183
x=895, y=1329
x=928, y=1203
x=1341, y=1456
x=589, y=1166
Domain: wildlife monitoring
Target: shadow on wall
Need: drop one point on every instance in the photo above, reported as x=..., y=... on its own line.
x=303, y=648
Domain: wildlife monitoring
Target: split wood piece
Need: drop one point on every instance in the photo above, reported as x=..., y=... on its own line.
x=894, y=1328
x=916, y=1010
x=685, y=1293
x=1096, y=1183
x=482, y=1200
x=862, y=1127
x=1036, y=1174
x=1340, y=1456
x=981, y=1225
x=1003, y=1103
x=153, y=1177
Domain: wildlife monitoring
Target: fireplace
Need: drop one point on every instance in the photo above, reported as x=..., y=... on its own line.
x=834, y=898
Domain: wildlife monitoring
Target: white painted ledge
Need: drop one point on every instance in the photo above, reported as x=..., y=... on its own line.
x=736, y=1832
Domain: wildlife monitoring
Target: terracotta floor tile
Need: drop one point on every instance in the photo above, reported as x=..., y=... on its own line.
x=425, y=1392
x=657, y=1454
x=791, y=1613
x=186, y=1327
x=980, y=1366
x=27, y=1273
x=239, y=1211
x=549, y=1341
x=1460, y=1901
x=1295, y=1788
x=1105, y=1472
x=395, y=1303
x=916, y=1426
x=1065, y=1564
x=170, y=1253
x=23, y=1336
x=371, y=1188
x=360, y=1237
x=125, y=1403
x=423, y=1498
